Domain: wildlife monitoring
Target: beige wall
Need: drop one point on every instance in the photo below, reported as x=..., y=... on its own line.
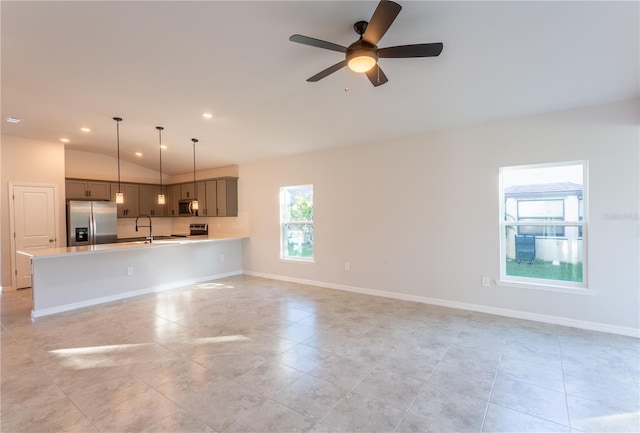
x=418, y=217
x=87, y=165
x=231, y=171
x=34, y=162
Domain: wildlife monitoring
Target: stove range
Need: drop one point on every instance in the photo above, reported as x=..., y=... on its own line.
x=194, y=230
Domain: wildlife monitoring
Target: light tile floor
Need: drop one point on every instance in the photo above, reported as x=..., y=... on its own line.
x=247, y=354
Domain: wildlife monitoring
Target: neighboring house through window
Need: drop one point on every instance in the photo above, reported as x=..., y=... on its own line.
x=543, y=224
x=296, y=223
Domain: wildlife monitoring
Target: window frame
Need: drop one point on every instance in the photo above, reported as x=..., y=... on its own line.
x=284, y=214
x=581, y=222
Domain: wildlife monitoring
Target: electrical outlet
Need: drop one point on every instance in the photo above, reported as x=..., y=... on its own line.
x=486, y=281
x=222, y=257
x=129, y=271
x=347, y=266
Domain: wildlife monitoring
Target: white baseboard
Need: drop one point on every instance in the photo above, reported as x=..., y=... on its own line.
x=119, y=296
x=555, y=320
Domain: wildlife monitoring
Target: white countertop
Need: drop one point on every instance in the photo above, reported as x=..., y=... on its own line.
x=103, y=248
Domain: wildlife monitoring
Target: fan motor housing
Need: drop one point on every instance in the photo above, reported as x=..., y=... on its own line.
x=360, y=27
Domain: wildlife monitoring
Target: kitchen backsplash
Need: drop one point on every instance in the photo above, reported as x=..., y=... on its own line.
x=223, y=226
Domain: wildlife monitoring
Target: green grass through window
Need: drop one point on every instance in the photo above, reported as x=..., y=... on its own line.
x=307, y=251
x=546, y=270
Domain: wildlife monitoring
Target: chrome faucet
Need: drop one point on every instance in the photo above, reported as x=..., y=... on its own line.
x=150, y=237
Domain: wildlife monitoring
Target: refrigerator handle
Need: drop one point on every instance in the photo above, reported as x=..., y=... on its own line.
x=92, y=227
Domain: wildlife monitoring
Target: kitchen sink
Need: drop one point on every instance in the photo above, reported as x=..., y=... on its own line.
x=156, y=241
x=142, y=239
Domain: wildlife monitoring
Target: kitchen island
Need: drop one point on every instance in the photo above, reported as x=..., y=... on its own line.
x=64, y=279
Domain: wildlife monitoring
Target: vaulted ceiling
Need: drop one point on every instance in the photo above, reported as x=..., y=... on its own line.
x=67, y=65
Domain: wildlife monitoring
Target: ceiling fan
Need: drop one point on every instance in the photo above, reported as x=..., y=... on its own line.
x=362, y=56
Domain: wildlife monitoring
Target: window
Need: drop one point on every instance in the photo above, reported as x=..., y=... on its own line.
x=541, y=210
x=543, y=224
x=296, y=222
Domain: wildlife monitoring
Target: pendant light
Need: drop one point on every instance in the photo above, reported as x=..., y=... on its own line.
x=119, y=195
x=194, y=203
x=161, y=195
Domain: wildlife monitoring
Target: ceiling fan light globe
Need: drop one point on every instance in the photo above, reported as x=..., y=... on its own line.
x=361, y=63
x=361, y=56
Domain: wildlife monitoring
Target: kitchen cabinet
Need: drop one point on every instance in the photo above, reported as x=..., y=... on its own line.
x=186, y=191
x=130, y=208
x=210, y=204
x=172, y=199
x=80, y=189
x=202, y=198
x=222, y=197
x=227, y=197
x=149, y=200
x=216, y=197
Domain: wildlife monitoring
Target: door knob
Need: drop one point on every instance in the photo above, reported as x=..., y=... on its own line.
x=51, y=240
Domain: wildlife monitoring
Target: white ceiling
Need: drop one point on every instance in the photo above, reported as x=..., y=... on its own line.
x=66, y=65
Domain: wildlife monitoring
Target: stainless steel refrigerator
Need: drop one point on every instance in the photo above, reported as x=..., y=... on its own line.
x=91, y=222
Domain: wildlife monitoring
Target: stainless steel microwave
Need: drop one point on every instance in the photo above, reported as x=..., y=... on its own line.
x=184, y=208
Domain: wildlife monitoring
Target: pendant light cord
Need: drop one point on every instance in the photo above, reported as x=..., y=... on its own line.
x=195, y=191
x=118, y=120
x=160, y=128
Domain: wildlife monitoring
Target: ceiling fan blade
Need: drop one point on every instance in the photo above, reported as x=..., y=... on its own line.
x=376, y=76
x=317, y=43
x=417, y=50
x=382, y=18
x=330, y=70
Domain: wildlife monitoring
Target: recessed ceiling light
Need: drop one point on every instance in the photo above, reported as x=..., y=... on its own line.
x=138, y=154
x=13, y=120
x=207, y=115
x=65, y=140
x=85, y=129
x=163, y=147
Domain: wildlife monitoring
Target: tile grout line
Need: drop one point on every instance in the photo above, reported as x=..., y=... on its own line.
x=564, y=386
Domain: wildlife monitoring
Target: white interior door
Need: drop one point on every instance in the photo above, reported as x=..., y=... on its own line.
x=34, y=226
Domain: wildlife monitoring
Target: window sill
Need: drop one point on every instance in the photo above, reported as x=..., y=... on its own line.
x=547, y=287
x=300, y=261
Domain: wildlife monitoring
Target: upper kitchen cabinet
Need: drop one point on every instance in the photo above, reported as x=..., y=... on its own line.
x=221, y=197
x=226, y=197
x=202, y=198
x=216, y=197
x=210, y=204
x=149, y=200
x=172, y=199
x=79, y=189
x=186, y=191
x=131, y=191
